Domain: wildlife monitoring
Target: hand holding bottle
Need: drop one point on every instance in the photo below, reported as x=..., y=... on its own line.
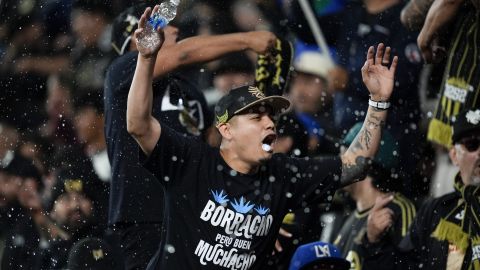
x=148, y=37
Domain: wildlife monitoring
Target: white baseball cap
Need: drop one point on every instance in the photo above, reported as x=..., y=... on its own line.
x=313, y=62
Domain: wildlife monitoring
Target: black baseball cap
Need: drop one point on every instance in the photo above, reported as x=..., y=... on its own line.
x=241, y=99
x=91, y=253
x=466, y=123
x=124, y=25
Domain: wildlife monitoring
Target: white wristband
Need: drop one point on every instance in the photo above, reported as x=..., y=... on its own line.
x=382, y=105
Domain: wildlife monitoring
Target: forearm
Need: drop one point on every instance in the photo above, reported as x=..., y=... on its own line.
x=355, y=161
x=140, y=97
x=43, y=65
x=413, y=14
x=47, y=227
x=198, y=49
x=439, y=15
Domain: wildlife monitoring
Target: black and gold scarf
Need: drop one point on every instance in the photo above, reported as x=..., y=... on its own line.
x=461, y=226
x=460, y=87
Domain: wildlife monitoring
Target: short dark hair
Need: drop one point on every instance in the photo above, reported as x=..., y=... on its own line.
x=237, y=62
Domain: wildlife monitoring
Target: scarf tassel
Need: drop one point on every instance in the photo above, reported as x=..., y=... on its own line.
x=452, y=233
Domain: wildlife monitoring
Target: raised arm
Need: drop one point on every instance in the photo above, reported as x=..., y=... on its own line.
x=144, y=128
x=201, y=49
x=441, y=13
x=414, y=13
x=379, y=79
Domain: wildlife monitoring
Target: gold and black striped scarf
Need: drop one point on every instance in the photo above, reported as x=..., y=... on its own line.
x=461, y=81
x=461, y=226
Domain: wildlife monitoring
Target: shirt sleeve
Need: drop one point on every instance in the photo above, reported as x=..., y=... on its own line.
x=312, y=180
x=174, y=155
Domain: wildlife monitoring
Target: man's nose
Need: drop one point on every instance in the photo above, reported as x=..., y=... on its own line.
x=267, y=119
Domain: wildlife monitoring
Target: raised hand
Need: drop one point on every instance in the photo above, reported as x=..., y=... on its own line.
x=148, y=42
x=377, y=76
x=261, y=41
x=379, y=219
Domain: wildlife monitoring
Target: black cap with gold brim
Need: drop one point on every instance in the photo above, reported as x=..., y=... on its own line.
x=241, y=99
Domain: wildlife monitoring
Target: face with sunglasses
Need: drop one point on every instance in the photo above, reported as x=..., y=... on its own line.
x=466, y=155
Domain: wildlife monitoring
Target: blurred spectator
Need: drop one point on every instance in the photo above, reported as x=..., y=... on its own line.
x=254, y=15
x=249, y=17
x=91, y=253
x=29, y=56
x=75, y=210
x=318, y=255
x=91, y=54
x=374, y=200
x=370, y=22
x=232, y=71
x=445, y=233
x=448, y=38
x=312, y=110
x=37, y=149
x=21, y=213
x=306, y=131
x=459, y=87
x=59, y=110
x=89, y=127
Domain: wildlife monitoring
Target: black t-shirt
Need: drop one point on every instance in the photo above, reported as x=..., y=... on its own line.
x=135, y=195
x=217, y=218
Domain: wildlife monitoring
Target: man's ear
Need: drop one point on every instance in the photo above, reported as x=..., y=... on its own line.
x=453, y=155
x=225, y=131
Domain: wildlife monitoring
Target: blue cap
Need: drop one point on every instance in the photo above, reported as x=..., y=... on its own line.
x=318, y=254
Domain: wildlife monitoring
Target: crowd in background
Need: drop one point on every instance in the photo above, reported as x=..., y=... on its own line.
x=55, y=168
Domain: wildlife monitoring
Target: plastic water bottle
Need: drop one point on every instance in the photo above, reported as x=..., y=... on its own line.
x=166, y=13
x=160, y=19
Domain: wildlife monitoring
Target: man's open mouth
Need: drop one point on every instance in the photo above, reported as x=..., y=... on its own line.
x=267, y=142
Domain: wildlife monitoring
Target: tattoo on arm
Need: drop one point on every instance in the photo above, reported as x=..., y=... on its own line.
x=183, y=57
x=363, y=142
x=355, y=172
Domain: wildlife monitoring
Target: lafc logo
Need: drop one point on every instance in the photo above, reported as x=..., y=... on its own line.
x=322, y=251
x=256, y=92
x=97, y=254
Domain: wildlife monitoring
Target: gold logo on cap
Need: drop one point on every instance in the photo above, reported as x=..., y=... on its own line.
x=222, y=118
x=97, y=254
x=73, y=185
x=256, y=92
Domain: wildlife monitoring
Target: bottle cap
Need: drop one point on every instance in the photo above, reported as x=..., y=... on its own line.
x=175, y=2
